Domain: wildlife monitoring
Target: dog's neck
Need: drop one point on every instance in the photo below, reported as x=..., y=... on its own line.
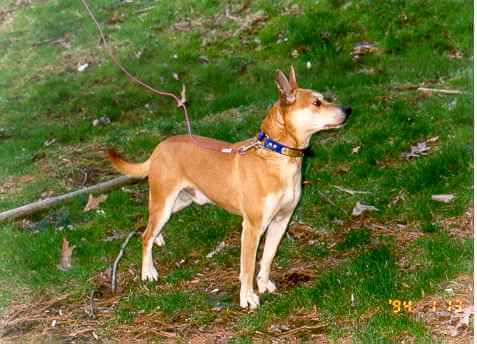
x=277, y=128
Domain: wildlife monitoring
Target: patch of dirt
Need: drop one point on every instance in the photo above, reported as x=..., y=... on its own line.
x=449, y=313
x=236, y=20
x=461, y=226
x=14, y=184
x=70, y=318
x=305, y=325
x=77, y=165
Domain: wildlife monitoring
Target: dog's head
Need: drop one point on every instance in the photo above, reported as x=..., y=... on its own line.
x=305, y=112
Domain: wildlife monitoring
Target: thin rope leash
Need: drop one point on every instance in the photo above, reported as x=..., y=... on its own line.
x=180, y=102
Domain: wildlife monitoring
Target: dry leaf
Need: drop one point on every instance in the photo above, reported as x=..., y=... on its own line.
x=49, y=142
x=220, y=247
x=433, y=139
x=65, y=256
x=443, y=198
x=93, y=202
x=355, y=150
x=421, y=148
x=359, y=208
x=463, y=320
x=363, y=48
x=82, y=67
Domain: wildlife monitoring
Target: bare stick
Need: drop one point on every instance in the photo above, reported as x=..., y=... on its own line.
x=438, y=90
x=349, y=191
x=53, y=201
x=115, y=265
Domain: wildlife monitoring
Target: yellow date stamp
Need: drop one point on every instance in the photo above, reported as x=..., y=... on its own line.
x=399, y=306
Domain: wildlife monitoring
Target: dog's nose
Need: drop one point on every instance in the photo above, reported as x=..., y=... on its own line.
x=347, y=110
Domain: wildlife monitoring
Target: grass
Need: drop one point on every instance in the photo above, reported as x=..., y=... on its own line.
x=230, y=85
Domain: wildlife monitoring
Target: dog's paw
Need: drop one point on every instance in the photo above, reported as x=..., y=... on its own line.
x=159, y=241
x=265, y=286
x=149, y=274
x=248, y=299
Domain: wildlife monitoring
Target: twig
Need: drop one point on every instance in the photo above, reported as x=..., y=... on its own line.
x=92, y=313
x=115, y=265
x=438, y=90
x=326, y=198
x=349, y=191
x=53, y=201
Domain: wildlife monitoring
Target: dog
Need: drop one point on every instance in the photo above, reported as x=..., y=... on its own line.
x=263, y=184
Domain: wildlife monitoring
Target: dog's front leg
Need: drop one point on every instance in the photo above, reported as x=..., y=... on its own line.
x=250, y=239
x=275, y=232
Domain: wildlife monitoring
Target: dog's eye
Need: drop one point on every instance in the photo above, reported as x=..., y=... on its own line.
x=317, y=102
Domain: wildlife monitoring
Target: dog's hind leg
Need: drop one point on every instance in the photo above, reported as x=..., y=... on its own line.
x=275, y=232
x=160, y=210
x=182, y=201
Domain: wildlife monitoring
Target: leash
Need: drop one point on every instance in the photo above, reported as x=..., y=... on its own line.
x=180, y=101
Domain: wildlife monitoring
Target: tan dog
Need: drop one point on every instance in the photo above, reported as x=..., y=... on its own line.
x=261, y=185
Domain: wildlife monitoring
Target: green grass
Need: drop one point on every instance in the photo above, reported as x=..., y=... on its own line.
x=230, y=83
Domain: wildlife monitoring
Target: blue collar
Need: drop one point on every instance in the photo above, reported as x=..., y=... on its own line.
x=275, y=146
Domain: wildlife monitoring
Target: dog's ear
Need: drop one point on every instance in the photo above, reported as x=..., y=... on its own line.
x=287, y=93
x=292, y=79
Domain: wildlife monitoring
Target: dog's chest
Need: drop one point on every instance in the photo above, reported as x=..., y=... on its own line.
x=291, y=186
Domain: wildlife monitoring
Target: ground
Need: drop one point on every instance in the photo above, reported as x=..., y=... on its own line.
x=402, y=273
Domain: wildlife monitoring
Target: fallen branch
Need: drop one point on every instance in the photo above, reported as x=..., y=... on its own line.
x=53, y=201
x=438, y=90
x=116, y=262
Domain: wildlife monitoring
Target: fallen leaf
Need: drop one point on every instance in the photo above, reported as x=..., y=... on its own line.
x=359, y=208
x=416, y=151
x=49, y=142
x=355, y=150
x=94, y=202
x=220, y=247
x=433, y=139
x=455, y=54
x=65, y=256
x=114, y=236
x=443, y=198
x=82, y=67
x=363, y=48
x=103, y=120
x=463, y=321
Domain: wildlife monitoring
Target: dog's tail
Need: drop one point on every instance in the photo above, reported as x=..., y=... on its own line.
x=140, y=170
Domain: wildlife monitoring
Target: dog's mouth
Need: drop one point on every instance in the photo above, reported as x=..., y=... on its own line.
x=335, y=126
